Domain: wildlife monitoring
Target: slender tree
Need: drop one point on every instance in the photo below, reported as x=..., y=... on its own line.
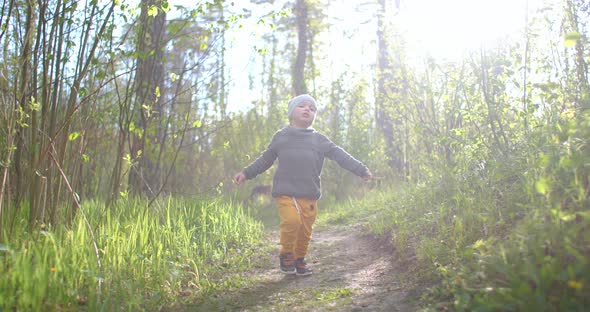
x=148, y=103
x=301, y=15
x=390, y=88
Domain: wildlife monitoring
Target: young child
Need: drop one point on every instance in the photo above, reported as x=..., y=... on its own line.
x=300, y=151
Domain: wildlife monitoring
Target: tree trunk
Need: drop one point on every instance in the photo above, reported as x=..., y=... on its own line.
x=23, y=97
x=388, y=90
x=144, y=176
x=583, y=85
x=301, y=11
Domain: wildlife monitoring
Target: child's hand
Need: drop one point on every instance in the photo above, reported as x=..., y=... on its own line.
x=367, y=176
x=239, y=178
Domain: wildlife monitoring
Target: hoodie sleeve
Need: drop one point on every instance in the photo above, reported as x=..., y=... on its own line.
x=343, y=158
x=263, y=162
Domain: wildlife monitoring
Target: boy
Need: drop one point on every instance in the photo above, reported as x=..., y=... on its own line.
x=300, y=151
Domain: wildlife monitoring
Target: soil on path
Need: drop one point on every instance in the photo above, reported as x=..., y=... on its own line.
x=351, y=272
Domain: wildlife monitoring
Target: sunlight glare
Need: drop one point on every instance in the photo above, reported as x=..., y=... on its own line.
x=447, y=29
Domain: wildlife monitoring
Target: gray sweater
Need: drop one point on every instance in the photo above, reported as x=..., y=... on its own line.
x=301, y=154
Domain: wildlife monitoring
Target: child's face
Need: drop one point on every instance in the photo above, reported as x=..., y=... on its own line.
x=303, y=115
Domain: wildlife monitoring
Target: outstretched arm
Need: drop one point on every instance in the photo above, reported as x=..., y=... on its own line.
x=257, y=167
x=368, y=176
x=239, y=178
x=346, y=161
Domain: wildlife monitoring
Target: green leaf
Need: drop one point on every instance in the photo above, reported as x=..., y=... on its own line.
x=479, y=243
x=127, y=158
x=153, y=11
x=568, y=217
x=197, y=124
x=542, y=186
x=261, y=51
x=73, y=136
x=543, y=160
x=571, y=39
x=165, y=6
x=100, y=75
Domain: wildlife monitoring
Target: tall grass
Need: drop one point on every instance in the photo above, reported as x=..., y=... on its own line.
x=504, y=240
x=147, y=256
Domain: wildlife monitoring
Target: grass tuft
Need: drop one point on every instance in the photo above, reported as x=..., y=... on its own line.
x=149, y=257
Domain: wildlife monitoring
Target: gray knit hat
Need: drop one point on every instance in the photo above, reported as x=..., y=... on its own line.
x=298, y=100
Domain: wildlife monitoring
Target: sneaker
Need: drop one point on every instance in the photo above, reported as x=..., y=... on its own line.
x=287, y=263
x=301, y=268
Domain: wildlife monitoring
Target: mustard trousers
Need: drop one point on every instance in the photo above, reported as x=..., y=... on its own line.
x=297, y=217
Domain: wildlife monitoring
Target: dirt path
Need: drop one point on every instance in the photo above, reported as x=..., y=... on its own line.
x=351, y=273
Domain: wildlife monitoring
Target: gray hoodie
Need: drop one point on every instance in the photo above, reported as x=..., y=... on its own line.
x=301, y=154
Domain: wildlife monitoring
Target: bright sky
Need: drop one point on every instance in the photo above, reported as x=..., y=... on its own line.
x=443, y=29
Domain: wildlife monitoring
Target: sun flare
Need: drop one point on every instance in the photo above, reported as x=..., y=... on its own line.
x=446, y=29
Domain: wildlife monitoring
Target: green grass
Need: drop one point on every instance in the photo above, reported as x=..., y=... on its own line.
x=149, y=257
x=503, y=232
x=484, y=245
x=333, y=295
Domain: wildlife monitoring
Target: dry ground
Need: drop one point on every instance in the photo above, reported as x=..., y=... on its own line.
x=352, y=272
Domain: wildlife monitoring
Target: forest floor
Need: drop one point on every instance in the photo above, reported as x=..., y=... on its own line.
x=352, y=271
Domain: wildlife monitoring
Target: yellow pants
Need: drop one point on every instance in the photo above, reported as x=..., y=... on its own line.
x=296, y=224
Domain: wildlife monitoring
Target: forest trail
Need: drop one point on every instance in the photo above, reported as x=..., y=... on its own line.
x=351, y=272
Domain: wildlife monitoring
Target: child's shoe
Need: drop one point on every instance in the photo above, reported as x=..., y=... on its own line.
x=287, y=265
x=301, y=268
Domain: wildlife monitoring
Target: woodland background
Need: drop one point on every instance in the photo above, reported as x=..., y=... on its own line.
x=109, y=102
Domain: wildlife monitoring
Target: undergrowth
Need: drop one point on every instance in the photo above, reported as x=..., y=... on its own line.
x=512, y=236
x=147, y=257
